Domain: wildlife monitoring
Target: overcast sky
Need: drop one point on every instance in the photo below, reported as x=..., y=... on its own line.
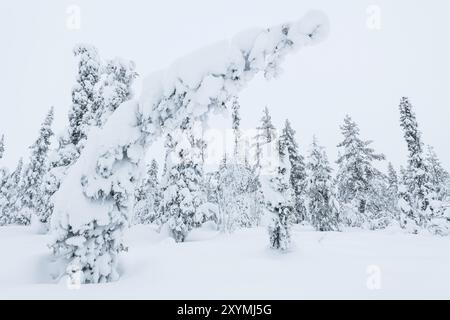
x=361, y=70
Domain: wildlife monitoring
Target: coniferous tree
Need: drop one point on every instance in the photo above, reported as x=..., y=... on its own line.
x=36, y=170
x=235, y=125
x=3, y=178
x=266, y=134
x=83, y=92
x=321, y=203
x=266, y=130
x=148, y=197
x=11, y=213
x=279, y=198
x=298, y=171
x=438, y=177
x=112, y=89
x=415, y=190
x=99, y=91
x=2, y=146
x=393, y=190
x=357, y=179
x=182, y=185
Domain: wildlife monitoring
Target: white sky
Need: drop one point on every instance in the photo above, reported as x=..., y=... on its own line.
x=357, y=70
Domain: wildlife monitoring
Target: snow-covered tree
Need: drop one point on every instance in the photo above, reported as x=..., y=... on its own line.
x=266, y=134
x=88, y=227
x=100, y=89
x=3, y=179
x=11, y=212
x=356, y=176
x=438, y=177
x=279, y=198
x=439, y=194
x=37, y=168
x=236, y=126
x=298, y=171
x=235, y=196
x=415, y=190
x=148, y=197
x=112, y=89
x=182, y=188
x=2, y=145
x=236, y=190
x=321, y=203
x=266, y=130
x=393, y=190
x=89, y=65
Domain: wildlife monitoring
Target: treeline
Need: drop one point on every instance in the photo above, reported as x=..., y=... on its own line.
x=297, y=189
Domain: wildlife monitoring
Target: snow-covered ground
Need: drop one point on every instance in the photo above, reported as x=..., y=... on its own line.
x=352, y=264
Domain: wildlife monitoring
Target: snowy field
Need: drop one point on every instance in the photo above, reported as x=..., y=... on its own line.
x=349, y=265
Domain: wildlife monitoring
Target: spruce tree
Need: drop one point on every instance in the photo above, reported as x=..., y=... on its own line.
x=279, y=200
x=235, y=125
x=3, y=179
x=393, y=190
x=266, y=130
x=415, y=191
x=322, y=205
x=356, y=176
x=297, y=173
x=11, y=213
x=2, y=146
x=36, y=169
x=113, y=88
x=182, y=184
x=438, y=177
x=148, y=197
x=266, y=134
x=83, y=92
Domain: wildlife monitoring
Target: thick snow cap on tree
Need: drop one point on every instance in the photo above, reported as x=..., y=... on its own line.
x=83, y=202
x=208, y=77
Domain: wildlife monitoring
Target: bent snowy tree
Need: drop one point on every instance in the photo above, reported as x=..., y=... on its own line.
x=92, y=206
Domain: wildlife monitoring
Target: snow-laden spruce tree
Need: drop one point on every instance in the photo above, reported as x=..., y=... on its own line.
x=321, y=203
x=88, y=226
x=298, y=171
x=356, y=176
x=439, y=178
x=3, y=179
x=89, y=65
x=2, y=146
x=393, y=191
x=266, y=130
x=439, y=195
x=182, y=193
x=415, y=191
x=50, y=184
x=148, y=197
x=279, y=198
x=36, y=169
x=11, y=193
x=3, y=170
x=266, y=133
x=112, y=89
